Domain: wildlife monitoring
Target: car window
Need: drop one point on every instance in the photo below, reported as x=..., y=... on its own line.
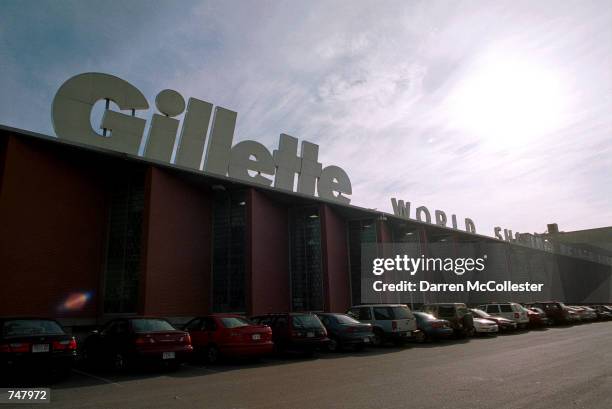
x=209, y=324
x=306, y=321
x=109, y=327
x=16, y=328
x=345, y=319
x=383, y=313
x=235, y=322
x=324, y=319
x=493, y=308
x=506, y=308
x=402, y=313
x=430, y=309
x=480, y=313
x=194, y=325
x=150, y=325
x=365, y=314
x=445, y=311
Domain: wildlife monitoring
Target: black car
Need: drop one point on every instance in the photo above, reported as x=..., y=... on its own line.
x=125, y=342
x=35, y=344
x=344, y=330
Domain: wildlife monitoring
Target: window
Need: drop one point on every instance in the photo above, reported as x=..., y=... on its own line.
x=344, y=319
x=234, y=322
x=17, y=328
x=446, y=311
x=305, y=321
x=194, y=325
x=229, y=243
x=493, y=309
x=209, y=324
x=306, y=270
x=150, y=325
x=506, y=308
x=122, y=267
x=383, y=313
x=360, y=232
x=365, y=314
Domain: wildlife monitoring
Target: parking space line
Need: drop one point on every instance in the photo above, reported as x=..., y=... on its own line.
x=97, y=377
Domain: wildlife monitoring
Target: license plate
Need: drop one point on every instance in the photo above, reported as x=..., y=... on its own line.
x=168, y=355
x=40, y=348
x=366, y=340
x=256, y=337
x=310, y=334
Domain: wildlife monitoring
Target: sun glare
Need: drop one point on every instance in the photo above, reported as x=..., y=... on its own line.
x=508, y=101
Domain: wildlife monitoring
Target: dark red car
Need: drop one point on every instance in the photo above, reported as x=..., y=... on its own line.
x=35, y=343
x=295, y=332
x=125, y=342
x=228, y=335
x=537, y=317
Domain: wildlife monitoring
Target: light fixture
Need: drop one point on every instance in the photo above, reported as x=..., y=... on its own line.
x=314, y=216
x=241, y=203
x=219, y=188
x=410, y=233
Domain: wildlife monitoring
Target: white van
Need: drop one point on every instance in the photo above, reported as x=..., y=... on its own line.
x=509, y=310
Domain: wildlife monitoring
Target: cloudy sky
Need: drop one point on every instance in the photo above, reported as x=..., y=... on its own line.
x=499, y=111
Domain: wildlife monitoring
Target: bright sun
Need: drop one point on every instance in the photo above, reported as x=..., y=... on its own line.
x=508, y=101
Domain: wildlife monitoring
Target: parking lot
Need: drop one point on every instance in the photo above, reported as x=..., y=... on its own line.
x=550, y=368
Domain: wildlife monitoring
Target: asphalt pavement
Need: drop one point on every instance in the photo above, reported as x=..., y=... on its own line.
x=560, y=367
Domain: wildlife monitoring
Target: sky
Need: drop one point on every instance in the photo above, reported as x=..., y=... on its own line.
x=498, y=111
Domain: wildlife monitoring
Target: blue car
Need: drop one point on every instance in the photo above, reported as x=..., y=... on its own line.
x=432, y=327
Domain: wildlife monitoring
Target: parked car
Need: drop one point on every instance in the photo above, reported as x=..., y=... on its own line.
x=390, y=322
x=344, y=330
x=485, y=327
x=604, y=313
x=129, y=341
x=557, y=312
x=460, y=318
x=510, y=310
x=585, y=313
x=295, y=332
x=228, y=335
x=504, y=324
x=537, y=317
x=431, y=327
x=27, y=343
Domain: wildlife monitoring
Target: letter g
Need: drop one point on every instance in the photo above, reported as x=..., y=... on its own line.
x=73, y=102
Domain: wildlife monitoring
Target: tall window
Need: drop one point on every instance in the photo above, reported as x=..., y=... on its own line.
x=122, y=267
x=306, y=269
x=360, y=232
x=229, y=243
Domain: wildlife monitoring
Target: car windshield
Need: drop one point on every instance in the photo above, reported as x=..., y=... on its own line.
x=424, y=315
x=480, y=313
x=401, y=313
x=20, y=328
x=306, y=321
x=345, y=319
x=235, y=322
x=151, y=325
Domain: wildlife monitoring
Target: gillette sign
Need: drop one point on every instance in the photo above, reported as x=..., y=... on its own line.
x=247, y=160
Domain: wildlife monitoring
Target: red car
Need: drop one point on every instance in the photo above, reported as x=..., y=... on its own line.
x=537, y=317
x=124, y=342
x=228, y=335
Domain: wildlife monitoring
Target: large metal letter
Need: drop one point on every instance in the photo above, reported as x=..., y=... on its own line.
x=334, y=179
x=193, y=134
x=73, y=102
x=220, y=145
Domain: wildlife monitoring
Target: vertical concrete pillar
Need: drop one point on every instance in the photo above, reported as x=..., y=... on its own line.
x=335, y=263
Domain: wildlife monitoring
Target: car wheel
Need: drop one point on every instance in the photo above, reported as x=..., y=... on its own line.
x=421, y=337
x=212, y=354
x=120, y=362
x=378, y=338
x=470, y=332
x=333, y=345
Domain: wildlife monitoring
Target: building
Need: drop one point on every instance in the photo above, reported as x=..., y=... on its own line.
x=88, y=233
